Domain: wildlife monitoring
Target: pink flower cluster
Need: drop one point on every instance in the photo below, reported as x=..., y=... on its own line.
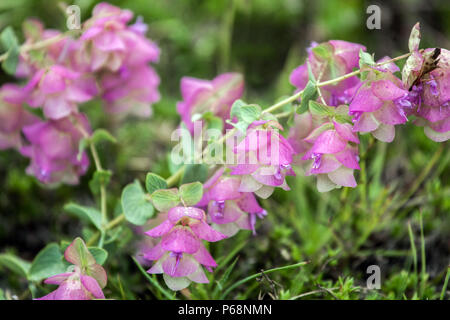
x=111, y=60
x=84, y=282
x=181, y=254
x=376, y=104
x=215, y=96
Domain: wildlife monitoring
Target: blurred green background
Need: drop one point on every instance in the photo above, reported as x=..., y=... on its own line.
x=341, y=232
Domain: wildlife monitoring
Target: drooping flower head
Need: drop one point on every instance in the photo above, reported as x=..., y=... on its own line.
x=59, y=90
x=303, y=125
x=130, y=90
x=264, y=159
x=216, y=96
x=181, y=253
x=53, y=149
x=228, y=209
x=380, y=103
x=13, y=117
x=330, y=60
x=333, y=155
x=426, y=75
x=108, y=42
x=84, y=282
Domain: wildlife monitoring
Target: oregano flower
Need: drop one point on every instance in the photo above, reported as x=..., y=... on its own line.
x=84, y=280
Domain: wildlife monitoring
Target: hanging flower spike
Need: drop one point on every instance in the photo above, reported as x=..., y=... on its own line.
x=228, y=209
x=131, y=90
x=13, y=117
x=121, y=54
x=431, y=98
x=86, y=280
x=426, y=74
x=329, y=60
x=264, y=159
x=54, y=151
x=303, y=125
x=380, y=104
x=59, y=90
x=180, y=254
x=217, y=96
x=107, y=43
x=334, y=155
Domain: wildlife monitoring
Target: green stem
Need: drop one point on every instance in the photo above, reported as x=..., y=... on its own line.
x=226, y=35
x=238, y=283
x=356, y=72
x=36, y=46
x=444, y=288
x=153, y=282
x=423, y=262
x=176, y=176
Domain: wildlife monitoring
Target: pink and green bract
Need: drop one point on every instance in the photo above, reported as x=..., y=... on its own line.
x=180, y=254
x=86, y=280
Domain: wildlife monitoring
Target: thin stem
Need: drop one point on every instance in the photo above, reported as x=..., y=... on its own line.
x=238, y=283
x=153, y=282
x=283, y=102
x=423, y=262
x=36, y=46
x=356, y=72
x=116, y=221
x=444, y=288
x=226, y=35
x=176, y=176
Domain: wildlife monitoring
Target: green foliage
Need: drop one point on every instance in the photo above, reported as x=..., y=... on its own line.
x=15, y=264
x=191, y=193
x=135, y=204
x=10, y=44
x=154, y=182
x=244, y=113
x=47, y=263
x=163, y=200
x=87, y=213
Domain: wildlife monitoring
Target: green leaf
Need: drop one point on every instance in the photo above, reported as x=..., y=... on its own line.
x=9, y=42
x=136, y=207
x=15, y=264
x=154, y=182
x=191, y=193
x=165, y=199
x=87, y=213
x=250, y=113
x=309, y=93
x=311, y=76
x=244, y=113
x=99, y=178
x=47, y=263
x=366, y=58
x=195, y=172
x=8, y=39
x=102, y=135
x=236, y=109
x=100, y=255
x=319, y=109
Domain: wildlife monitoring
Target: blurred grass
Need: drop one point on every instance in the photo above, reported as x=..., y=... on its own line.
x=341, y=232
